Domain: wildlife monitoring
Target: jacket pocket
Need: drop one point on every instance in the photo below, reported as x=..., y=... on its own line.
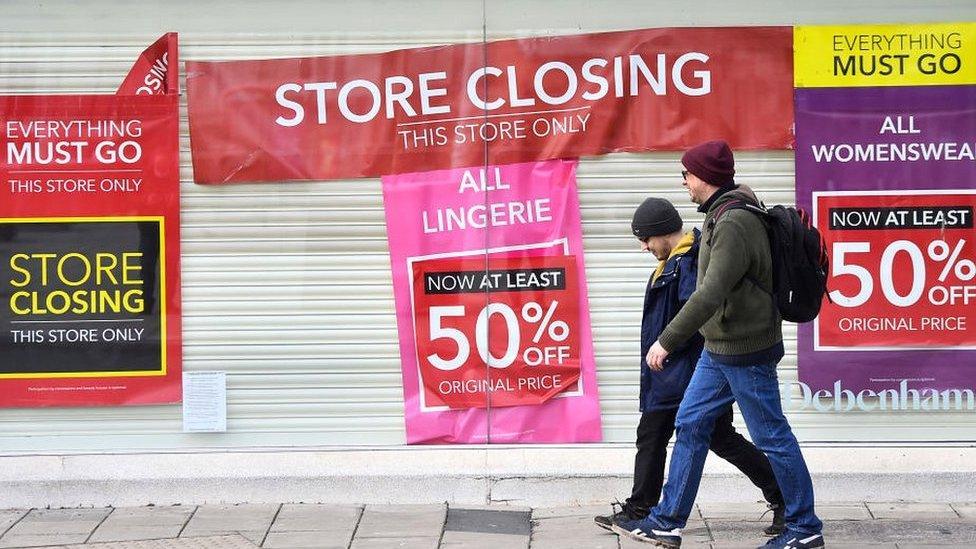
x=668, y=385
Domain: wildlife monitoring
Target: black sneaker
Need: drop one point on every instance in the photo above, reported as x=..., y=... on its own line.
x=625, y=512
x=647, y=531
x=794, y=540
x=779, y=520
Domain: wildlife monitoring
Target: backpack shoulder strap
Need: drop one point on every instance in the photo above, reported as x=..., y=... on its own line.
x=739, y=204
x=730, y=205
x=758, y=209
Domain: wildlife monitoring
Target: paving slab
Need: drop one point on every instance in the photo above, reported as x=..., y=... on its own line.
x=842, y=511
x=855, y=533
x=829, y=545
x=483, y=540
x=401, y=521
x=542, y=513
x=757, y=512
x=696, y=531
x=9, y=517
x=871, y=545
x=574, y=536
x=150, y=516
x=958, y=533
x=559, y=524
x=912, y=511
x=579, y=543
x=317, y=517
x=320, y=526
x=578, y=531
x=751, y=511
x=488, y=521
x=210, y=542
x=249, y=520
x=142, y=523
x=40, y=540
x=245, y=516
x=922, y=546
x=134, y=533
x=965, y=510
x=305, y=540
x=397, y=543
x=736, y=531
x=49, y=522
x=492, y=507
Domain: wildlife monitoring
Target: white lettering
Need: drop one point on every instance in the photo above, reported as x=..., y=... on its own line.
x=289, y=104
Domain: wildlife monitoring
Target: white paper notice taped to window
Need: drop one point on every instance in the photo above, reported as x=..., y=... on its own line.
x=204, y=402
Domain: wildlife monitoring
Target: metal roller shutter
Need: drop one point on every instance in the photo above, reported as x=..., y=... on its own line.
x=311, y=352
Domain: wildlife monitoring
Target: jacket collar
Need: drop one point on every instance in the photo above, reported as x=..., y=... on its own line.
x=686, y=243
x=714, y=198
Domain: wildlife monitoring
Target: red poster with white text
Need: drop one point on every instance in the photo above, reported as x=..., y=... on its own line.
x=90, y=245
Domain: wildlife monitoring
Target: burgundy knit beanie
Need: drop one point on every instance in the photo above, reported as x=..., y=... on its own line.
x=712, y=162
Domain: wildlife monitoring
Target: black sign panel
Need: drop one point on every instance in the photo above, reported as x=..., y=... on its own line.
x=80, y=296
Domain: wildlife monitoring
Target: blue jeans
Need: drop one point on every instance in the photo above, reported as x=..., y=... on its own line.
x=713, y=387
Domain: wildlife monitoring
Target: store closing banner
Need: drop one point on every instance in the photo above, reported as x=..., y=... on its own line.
x=90, y=243
x=886, y=130
x=414, y=110
x=494, y=326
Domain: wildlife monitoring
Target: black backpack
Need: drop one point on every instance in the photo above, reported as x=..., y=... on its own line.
x=800, y=261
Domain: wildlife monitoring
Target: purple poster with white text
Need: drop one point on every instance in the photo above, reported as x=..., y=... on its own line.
x=889, y=176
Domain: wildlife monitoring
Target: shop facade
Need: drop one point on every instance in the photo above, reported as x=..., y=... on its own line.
x=287, y=288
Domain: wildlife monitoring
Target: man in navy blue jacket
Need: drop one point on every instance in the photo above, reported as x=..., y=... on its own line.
x=658, y=227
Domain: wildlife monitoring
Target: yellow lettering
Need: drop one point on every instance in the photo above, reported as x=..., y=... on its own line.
x=84, y=261
x=13, y=303
x=44, y=258
x=102, y=268
x=127, y=266
x=19, y=269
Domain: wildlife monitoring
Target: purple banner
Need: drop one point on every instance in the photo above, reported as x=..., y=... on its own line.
x=890, y=177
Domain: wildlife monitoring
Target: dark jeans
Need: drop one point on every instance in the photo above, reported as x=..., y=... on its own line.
x=654, y=432
x=714, y=386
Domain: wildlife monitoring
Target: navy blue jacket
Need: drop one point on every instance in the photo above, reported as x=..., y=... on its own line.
x=663, y=299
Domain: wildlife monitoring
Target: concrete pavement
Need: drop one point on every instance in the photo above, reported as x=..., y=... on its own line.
x=894, y=525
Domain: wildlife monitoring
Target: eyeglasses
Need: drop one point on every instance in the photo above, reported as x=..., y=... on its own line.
x=684, y=175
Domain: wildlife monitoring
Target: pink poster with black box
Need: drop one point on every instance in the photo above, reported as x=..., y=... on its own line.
x=491, y=300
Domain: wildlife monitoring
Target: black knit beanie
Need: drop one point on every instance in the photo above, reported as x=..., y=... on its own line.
x=655, y=217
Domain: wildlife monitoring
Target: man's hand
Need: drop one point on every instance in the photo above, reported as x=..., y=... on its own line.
x=656, y=356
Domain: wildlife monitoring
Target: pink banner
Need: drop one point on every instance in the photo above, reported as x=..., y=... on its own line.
x=490, y=287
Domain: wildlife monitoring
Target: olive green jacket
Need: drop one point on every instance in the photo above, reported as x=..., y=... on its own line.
x=732, y=305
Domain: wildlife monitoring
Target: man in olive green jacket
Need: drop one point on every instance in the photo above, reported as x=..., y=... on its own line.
x=733, y=307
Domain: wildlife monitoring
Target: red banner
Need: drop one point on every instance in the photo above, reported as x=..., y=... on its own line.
x=151, y=74
x=501, y=102
x=89, y=250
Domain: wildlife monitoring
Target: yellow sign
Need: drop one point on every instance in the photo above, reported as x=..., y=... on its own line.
x=884, y=55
